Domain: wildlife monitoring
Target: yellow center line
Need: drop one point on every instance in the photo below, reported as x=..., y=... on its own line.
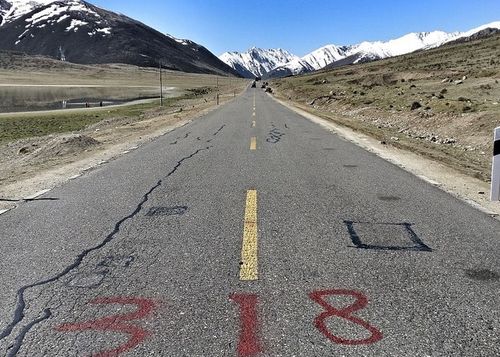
x=253, y=143
x=249, y=258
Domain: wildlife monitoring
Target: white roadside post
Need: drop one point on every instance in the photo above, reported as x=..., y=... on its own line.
x=495, y=169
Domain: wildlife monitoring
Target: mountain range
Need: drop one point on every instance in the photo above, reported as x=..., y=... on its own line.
x=248, y=63
x=79, y=32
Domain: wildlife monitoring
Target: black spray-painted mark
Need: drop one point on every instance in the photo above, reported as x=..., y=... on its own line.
x=19, y=312
x=167, y=211
x=418, y=244
x=121, y=261
x=274, y=136
x=388, y=198
x=482, y=274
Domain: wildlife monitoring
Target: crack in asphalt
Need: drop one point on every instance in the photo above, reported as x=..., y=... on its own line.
x=219, y=130
x=16, y=346
x=19, y=313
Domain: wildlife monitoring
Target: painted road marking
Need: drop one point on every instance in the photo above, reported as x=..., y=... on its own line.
x=119, y=323
x=249, y=344
x=253, y=123
x=344, y=313
x=253, y=143
x=253, y=114
x=249, y=259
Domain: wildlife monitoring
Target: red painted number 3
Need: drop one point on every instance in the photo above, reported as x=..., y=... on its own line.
x=116, y=323
x=345, y=313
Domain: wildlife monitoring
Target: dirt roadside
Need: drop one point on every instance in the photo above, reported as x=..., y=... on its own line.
x=30, y=167
x=469, y=189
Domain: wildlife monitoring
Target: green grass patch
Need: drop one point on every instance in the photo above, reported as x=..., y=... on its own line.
x=39, y=124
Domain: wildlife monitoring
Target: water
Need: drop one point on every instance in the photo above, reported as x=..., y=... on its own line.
x=35, y=98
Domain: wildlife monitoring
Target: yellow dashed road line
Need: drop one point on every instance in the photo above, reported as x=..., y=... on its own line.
x=253, y=143
x=249, y=258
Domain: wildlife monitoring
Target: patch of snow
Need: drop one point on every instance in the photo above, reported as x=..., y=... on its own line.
x=179, y=40
x=105, y=31
x=51, y=11
x=62, y=18
x=75, y=24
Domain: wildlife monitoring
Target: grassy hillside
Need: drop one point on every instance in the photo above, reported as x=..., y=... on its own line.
x=443, y=103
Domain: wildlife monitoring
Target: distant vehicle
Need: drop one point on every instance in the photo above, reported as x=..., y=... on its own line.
x=254, y=84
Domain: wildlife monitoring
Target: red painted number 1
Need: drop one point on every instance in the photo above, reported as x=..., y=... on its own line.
x=249, y=344
x=345, y=313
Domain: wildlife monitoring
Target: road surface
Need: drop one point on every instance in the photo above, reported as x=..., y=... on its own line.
x=249, y=232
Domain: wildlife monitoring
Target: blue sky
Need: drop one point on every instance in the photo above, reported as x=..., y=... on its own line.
x=301, y=26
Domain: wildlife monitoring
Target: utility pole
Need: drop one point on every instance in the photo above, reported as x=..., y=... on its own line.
x=161, y=84
x=217, y=86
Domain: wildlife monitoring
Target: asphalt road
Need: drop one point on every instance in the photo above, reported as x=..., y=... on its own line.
x=249, y=235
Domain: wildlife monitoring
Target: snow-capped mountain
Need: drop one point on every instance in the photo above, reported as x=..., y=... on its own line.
x=332, y=55
x=256, y=62
x=77, y=31
x=325, y=55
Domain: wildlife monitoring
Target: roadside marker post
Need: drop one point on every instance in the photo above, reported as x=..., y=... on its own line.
x=495, y=168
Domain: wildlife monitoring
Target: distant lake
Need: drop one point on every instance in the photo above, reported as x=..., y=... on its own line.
x=14, y=98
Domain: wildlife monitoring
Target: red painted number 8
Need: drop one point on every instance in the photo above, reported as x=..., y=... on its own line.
x=345, y=313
